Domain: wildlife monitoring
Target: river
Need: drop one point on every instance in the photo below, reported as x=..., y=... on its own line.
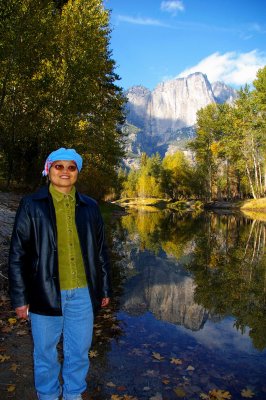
x=190, y=315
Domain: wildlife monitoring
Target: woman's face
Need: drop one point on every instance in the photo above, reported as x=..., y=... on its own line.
x=63, y=175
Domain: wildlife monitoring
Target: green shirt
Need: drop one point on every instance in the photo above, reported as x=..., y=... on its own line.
x=71, y=267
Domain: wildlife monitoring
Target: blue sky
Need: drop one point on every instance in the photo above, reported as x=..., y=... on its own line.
x=155, y=40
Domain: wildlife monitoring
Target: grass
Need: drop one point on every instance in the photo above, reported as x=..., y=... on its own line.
x=140, y=202
x=254, y=204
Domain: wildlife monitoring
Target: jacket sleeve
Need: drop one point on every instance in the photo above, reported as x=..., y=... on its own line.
x=103, y=258
x=18, y=257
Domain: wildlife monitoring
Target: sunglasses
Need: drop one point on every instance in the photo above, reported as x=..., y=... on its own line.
x=61, y=167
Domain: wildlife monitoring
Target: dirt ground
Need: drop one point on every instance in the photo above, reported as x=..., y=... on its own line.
x=16, y=377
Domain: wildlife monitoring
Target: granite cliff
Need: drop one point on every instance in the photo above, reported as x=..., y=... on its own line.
x=165, y=118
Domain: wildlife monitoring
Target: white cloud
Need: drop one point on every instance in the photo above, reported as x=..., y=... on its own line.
x=141, y=21
x=172, y=6
x=224, y=336
x=232, y=68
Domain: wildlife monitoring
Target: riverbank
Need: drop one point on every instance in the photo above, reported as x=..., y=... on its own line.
x=258, y=205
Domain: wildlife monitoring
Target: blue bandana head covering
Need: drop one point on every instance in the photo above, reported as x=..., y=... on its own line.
x=64, y=155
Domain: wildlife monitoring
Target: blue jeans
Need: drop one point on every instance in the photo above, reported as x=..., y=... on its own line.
x=76, y=324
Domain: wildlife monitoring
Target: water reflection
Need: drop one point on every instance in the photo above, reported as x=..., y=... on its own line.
x=187, y=269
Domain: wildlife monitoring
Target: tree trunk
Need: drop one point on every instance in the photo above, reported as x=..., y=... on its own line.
x=250, y=182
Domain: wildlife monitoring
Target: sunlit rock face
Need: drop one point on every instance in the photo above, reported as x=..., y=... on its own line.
x=166, y=115
x=173, y=104
x=168, y=292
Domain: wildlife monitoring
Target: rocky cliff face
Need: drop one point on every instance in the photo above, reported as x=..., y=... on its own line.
x=158, y=285
x=223, y=93
x=169, y=296
x=165, y=114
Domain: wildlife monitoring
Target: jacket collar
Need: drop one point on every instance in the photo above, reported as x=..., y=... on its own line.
x=43, y=193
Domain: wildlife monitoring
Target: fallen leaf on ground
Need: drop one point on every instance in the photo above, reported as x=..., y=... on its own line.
x=180, y=392
x=146, y=388
x=14, y=367
x=204, y=396
x=4, y=358
x=137, y=352
x=176, y=361
x=157, y=356
x=110, y=384
x=12, y=321
x=165, y=381
x=21, y=333
x=11, y=388
x=93, y=353
x=121, y=388
x=116, y=397
x=219, y=394
x=115, y=327
x=151, y=373
x=190, y=368
x=247, y=393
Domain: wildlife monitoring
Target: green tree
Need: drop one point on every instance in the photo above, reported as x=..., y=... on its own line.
x=251, y=139
x=230, y=147
x=58, y=89
x=206, y=146
x=130, y=184
x=260, y=86
x=177, y=175
x=260, y=99
x=25, y=29
x=149, y=180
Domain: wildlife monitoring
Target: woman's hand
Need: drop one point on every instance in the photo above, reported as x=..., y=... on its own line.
x=22, y=312
x=105, y=301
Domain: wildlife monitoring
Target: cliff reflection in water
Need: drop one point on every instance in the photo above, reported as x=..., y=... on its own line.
x=188, y=268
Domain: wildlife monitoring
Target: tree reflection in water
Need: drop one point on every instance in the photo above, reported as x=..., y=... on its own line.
x=206, y=265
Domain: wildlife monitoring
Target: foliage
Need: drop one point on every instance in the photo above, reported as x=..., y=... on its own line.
x=178, y=171
x=57, y=89
x=145, y=182
x=168, y=178
x=230, y=144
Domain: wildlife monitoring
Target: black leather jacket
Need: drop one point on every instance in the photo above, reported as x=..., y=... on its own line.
x=33, y=259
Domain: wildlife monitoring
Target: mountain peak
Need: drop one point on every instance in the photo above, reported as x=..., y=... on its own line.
x=138, y=90
x=223, y=93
